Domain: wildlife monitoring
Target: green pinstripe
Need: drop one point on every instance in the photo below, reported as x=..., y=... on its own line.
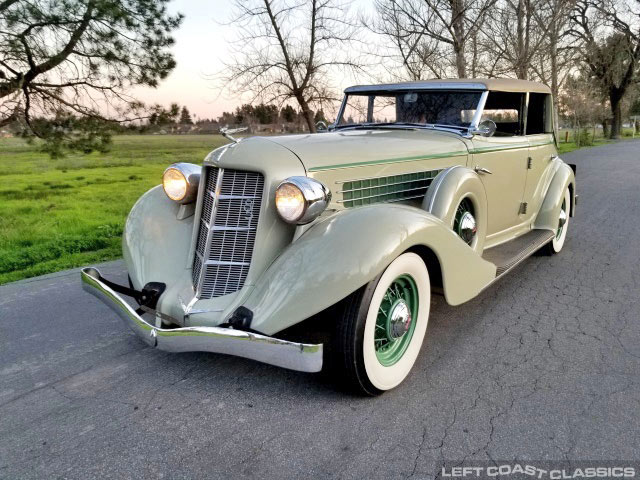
x=502, y=148
x=478, y=150
x=390, y=160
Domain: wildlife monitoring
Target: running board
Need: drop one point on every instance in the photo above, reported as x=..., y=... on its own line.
x=507, y=255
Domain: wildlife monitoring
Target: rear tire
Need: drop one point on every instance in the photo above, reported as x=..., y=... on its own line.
x=381, y=328
x=556, y=244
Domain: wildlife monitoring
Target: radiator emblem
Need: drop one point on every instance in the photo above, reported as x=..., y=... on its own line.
x=247, y=208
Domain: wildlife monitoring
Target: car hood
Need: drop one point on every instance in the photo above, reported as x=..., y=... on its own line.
x=348, y=148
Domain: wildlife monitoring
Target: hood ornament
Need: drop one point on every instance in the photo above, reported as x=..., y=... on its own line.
x=227, y=132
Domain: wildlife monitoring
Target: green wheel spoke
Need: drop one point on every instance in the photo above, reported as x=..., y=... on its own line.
x=396, y=320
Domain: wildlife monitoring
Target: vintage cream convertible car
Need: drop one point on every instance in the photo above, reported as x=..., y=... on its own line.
x=434, y=186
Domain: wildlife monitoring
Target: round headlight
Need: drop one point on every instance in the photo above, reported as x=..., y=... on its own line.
x=301, y=199
x=180, y=182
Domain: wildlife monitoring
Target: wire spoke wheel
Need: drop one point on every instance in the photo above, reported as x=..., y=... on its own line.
x=395, y=322
x=383, y=325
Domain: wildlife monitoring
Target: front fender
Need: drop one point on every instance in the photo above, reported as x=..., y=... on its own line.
x=547, y=217
x=155, y=243
x=339, y=255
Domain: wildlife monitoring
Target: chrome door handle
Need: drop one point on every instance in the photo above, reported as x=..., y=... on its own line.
x=482, y=170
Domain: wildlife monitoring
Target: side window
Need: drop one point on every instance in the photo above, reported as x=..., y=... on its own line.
x=537, y=120
x=506, y=109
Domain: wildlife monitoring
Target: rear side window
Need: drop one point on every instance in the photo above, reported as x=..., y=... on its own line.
x=506, y=109
x=537, y=116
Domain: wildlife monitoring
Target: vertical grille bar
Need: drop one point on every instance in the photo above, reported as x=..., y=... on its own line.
x=228, y=225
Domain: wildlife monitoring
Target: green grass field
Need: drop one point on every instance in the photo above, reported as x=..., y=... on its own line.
x=57, y=214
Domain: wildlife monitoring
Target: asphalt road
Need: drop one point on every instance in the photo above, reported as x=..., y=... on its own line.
x=542, y=366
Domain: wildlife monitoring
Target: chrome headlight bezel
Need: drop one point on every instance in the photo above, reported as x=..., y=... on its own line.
x=191, y=175
x=316, y=199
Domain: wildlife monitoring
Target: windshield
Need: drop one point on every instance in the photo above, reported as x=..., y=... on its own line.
x=426, y=107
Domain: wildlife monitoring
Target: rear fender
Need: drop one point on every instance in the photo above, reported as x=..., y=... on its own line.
x=448, y=189
x=342, y=253
x=563, y=178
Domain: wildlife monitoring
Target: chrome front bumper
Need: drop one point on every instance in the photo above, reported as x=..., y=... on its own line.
x=295, y=356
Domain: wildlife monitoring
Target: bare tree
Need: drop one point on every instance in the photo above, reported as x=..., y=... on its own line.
x=75, y=59
x=610, y=32
x=558, y=51
x=419, y=55
x=515, y=34
x=289, y=49
x=556, y=56
x=425, y=33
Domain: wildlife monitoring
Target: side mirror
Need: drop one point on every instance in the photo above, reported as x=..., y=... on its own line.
x=486, y=128
x=321, y=127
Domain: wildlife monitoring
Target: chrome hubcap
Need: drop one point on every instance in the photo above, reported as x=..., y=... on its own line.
x=399, y=320
x=465, y=224
x=394, y=323
x=468, y=228
x=562, y=219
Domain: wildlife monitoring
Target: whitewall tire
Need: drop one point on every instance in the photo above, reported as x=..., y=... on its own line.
x=382, y=327
x=557, y=243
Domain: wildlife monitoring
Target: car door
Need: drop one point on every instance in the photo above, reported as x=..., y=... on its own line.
x=501, y=162
x=542, y=149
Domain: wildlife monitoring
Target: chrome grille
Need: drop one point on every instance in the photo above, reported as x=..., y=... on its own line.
x=227, y=231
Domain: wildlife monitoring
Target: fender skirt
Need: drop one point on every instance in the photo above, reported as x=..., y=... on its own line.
x=342, y=253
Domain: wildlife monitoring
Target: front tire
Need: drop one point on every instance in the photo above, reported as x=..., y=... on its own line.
x=382, y=326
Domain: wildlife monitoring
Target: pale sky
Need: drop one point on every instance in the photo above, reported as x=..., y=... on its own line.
x=201, y=46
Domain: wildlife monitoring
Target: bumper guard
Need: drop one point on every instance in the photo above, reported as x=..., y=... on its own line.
x=302, y=357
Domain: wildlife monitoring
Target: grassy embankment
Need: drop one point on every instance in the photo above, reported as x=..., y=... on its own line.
x=570, y=145
x=57, y=214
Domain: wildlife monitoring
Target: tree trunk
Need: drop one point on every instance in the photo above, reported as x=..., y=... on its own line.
x=461, y=63
x=306, y=111
x=553, y=52
x=616, y=110
x=520, y=40
x=474, y=57
x=605, y=128
x=458, y=16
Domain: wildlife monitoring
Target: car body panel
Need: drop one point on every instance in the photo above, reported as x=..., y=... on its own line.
x=506, y=159
x=380, y=149
x=159, y=247
x=154, y=231
x=542, y=152
x=344, y=252
x=299, y=271
x=448, y=189
x=562, y=177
